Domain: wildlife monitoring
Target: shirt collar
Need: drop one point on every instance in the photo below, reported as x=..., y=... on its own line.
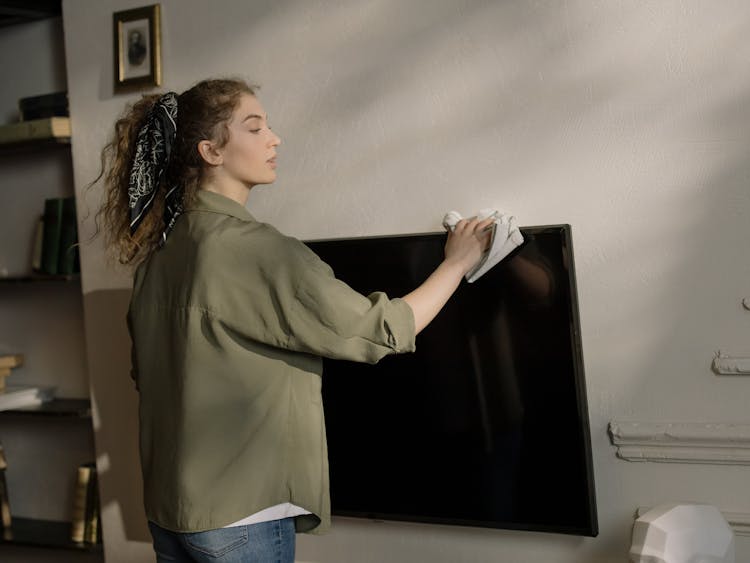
x=212, y=201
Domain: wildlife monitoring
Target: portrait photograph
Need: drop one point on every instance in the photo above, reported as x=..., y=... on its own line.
x=137, y=52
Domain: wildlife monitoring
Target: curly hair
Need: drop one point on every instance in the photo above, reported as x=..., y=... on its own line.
x=203, y=113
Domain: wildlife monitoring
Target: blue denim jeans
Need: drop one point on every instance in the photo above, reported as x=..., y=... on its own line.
x=264, y=542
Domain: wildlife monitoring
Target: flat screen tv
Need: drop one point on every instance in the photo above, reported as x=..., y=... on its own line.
x=486, y=424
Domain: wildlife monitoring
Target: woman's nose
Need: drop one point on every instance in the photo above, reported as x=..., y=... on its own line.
x=275, y=140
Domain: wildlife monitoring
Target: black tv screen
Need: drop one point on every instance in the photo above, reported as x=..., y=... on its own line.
x=486, y=424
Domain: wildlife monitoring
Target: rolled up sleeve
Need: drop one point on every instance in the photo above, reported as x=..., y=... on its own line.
x=331, y=319
x=279, y=292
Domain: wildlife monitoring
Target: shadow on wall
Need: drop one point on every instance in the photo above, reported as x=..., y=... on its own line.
x=682, y=219
x=476, y=92
x=115, y=401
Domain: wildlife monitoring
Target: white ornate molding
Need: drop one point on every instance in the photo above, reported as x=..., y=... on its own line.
x=739, y=521
x=682, y=442
x=729, y=365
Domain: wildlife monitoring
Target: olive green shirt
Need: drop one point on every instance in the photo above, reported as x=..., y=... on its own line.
x=229, y=322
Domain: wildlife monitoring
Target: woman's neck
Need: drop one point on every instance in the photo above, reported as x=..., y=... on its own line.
x=237, y=191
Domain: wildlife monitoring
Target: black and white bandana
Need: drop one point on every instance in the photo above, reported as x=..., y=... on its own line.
x=153, y=148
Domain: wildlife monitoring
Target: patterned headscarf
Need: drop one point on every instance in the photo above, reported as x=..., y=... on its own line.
x=153, y=148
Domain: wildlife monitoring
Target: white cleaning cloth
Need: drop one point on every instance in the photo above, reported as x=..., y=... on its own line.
x=505, y=238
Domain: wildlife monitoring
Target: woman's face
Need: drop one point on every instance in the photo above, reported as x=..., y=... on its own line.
x=250, y=154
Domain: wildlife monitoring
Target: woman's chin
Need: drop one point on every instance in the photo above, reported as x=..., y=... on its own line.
x=269, y=179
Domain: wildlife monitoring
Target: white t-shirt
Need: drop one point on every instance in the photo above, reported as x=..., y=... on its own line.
x=283, y=510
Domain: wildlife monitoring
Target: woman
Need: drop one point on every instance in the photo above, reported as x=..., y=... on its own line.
x=230, y=320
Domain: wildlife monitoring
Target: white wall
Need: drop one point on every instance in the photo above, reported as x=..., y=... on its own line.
x=627, y=120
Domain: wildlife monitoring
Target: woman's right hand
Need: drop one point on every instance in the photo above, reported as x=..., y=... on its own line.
x=462, y=251
x=467, y=242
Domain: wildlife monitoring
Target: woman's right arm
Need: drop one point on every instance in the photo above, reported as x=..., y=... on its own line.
x=463, y=250
x=279, y=292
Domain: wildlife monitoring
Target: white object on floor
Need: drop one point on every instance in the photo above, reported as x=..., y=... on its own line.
x=682, y=533
x=505, y=238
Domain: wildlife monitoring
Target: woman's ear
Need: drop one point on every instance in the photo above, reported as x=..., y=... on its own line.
x=209, y=153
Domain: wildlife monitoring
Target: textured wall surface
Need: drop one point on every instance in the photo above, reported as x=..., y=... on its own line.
x=627, y=120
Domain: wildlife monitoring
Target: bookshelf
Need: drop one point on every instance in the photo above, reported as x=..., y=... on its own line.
x=50, y=534
x=41, y=316
x=39, y=532
x=64, y=419
x=34, y=277
x=20, y=147
x=56, y=408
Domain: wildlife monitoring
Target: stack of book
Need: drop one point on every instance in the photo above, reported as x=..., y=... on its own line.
x=48, y=128
x=86, y=524
x=19, y=396
x=56, y=243
x=44, y=117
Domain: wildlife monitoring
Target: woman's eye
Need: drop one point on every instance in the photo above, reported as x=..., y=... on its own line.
x=254, y=130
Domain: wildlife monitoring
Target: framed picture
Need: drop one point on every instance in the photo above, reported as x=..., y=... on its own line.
x=137, y=35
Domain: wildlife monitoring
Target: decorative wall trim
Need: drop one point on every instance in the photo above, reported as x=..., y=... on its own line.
x=739, y=521
x=729, y=365
x=682, y=442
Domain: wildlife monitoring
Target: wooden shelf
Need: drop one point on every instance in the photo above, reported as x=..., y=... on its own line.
x=56, y=408
x=43, y=533
x=33, y=145
x=14, y=13
x=27, y=278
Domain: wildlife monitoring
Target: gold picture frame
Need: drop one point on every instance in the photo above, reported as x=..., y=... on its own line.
x=137, y=44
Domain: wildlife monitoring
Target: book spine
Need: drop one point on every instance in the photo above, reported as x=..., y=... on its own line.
x=52, y=231
x=67, y=259
x=5, y=518
x=36, y=257
x=78, y=523
x=92, y=528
